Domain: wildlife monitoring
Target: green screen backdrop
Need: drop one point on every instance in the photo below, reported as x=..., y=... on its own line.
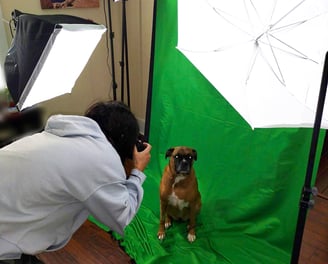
x=250, y=180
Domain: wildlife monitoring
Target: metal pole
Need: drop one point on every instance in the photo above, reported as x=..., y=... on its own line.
x=151, y=72
x=122, y=62
x=126, y=53
x=308, y=191
x=111, y=37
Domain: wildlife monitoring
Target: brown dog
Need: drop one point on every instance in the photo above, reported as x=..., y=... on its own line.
x=179, y=195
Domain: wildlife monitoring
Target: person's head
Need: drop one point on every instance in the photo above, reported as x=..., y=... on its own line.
x=118, y=124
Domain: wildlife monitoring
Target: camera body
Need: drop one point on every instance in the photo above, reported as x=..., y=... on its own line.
x=140, y=143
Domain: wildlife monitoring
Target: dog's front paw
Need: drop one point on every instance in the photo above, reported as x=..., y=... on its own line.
x=160, y=235
x=167, y=224
x=191, y=237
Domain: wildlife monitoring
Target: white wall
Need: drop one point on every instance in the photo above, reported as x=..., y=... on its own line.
x=95, y=81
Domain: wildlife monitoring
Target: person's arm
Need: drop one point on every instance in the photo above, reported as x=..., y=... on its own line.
x=116, y=204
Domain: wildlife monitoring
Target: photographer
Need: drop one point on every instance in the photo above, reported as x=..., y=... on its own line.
x=50, y=182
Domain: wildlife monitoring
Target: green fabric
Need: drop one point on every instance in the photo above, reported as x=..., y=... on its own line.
x=250, y=180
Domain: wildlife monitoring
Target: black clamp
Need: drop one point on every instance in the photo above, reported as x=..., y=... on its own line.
x=306, y=202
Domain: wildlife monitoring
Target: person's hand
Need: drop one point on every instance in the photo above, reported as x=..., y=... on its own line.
x=141, y=159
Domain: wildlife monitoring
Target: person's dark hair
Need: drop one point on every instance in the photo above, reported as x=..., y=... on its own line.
x=119, y=125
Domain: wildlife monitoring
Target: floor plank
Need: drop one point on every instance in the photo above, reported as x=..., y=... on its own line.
x=89, y=245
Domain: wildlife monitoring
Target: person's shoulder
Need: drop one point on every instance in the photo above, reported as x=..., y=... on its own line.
x=73, y=125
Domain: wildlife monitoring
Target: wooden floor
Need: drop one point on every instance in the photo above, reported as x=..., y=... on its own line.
x=89, y=245
x=92, y=245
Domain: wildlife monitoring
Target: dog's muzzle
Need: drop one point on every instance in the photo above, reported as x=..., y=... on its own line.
x=183, y=164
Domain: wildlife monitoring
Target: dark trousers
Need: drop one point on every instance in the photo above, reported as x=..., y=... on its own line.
x=25, y=259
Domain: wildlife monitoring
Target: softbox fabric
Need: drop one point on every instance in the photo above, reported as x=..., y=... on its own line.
x=250, y=180
x=31, y=37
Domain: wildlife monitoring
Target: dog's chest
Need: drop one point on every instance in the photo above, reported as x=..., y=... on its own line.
x=173, y=199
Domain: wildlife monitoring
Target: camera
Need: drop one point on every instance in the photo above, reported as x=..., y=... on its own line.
x=140, y=143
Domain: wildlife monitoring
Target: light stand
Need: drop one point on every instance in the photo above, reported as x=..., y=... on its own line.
x=308, y=191
x=124, y=62
x=124, y=56
x=111, y=37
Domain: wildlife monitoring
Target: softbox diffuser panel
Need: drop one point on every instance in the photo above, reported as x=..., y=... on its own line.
x=44, y=46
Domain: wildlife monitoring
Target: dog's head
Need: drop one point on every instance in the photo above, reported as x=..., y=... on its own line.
x=181, y=159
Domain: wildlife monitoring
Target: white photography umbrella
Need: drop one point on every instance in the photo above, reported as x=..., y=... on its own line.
x=265, y=57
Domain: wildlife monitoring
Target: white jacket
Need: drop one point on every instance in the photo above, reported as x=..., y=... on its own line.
x=51, y=181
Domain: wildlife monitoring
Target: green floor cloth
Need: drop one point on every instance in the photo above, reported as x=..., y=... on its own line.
x=250, y=180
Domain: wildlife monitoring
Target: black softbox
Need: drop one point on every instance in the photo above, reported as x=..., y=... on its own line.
x=34, y=38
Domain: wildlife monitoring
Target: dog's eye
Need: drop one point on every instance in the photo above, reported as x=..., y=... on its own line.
x=177, y=157
x=190, y=157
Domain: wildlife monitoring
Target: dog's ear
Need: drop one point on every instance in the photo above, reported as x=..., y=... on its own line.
x=169, y=152
x=194, y=153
